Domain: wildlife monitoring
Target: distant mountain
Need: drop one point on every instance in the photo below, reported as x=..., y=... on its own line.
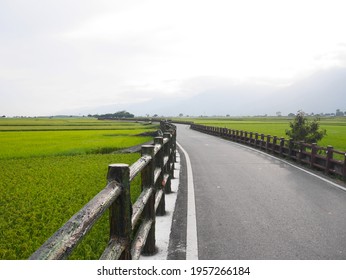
x=324, y=91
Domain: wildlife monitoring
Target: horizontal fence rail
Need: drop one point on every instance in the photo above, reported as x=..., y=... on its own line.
x=132, y=227
x=326, y=159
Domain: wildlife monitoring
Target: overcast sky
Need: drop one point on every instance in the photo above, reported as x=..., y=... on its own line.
x=61, y=56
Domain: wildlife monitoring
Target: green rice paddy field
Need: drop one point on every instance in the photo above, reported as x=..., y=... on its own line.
x=276, y=126
x=49, y=169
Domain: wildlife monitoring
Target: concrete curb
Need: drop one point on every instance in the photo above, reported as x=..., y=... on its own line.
x=164, y=223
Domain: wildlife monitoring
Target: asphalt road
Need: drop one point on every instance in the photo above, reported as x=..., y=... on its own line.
x=250, y=205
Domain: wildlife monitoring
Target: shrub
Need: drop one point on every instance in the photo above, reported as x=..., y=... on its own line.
x=302, y=129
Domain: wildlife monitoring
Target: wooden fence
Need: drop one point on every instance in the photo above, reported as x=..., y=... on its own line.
x=326, y=159
x=132, y=227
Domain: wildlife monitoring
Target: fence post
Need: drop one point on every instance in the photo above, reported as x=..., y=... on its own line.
x=268, y=142
x=275, y=138
x=241, y=136
x=313, y=154
x=121, y=209
x=282, y=143
x=290, y=148
x=246, y=138
x=228, y=134
x=170, y=148
x=344, y=169
x=161, y=209
x=262, y=141
x=329, y=157
x=147, y=176
x=301, y=150
x=174, y=146
x=167, y=153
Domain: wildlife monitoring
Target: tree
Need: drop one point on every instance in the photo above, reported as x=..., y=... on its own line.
x=304, y=130
x=118, y=115
x=339, y=113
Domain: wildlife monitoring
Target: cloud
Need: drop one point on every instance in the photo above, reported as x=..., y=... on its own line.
x=88, y=52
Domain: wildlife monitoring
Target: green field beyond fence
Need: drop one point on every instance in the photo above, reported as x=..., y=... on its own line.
x=49, y=169
x=276, y=126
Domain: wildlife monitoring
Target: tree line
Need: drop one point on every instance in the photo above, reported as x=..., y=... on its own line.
x=117, y=115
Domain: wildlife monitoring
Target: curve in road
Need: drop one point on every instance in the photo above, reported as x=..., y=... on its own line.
x=250, y=205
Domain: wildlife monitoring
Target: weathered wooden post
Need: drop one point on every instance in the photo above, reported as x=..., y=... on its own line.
x=256, y=139
x=301, y=150
x=267, y=143
x=250, y=138
x=344, y=168
x=228, y=134
x=282, y=144
x=172, y=156
x=237, y=136
x=233, y=135
x=174, y=147
x=241, y=140
x=159, y=163
x=275, y=138
x=246, y=139
x=167, y=169
x=147, y=176
x=121, y=209
x=290, y=148
x=329, y=158
x=313, y=154
x=262, y=141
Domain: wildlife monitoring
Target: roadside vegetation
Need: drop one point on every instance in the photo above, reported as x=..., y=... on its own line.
x=49, y=171
x=303, y=129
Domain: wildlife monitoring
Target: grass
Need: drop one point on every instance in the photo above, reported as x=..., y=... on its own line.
x=24, y=144
x=64, y=124
x=276, y=126
x=47, y=176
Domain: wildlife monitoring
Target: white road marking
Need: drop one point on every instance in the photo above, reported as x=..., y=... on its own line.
x=191, y=228
x=290, y=164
